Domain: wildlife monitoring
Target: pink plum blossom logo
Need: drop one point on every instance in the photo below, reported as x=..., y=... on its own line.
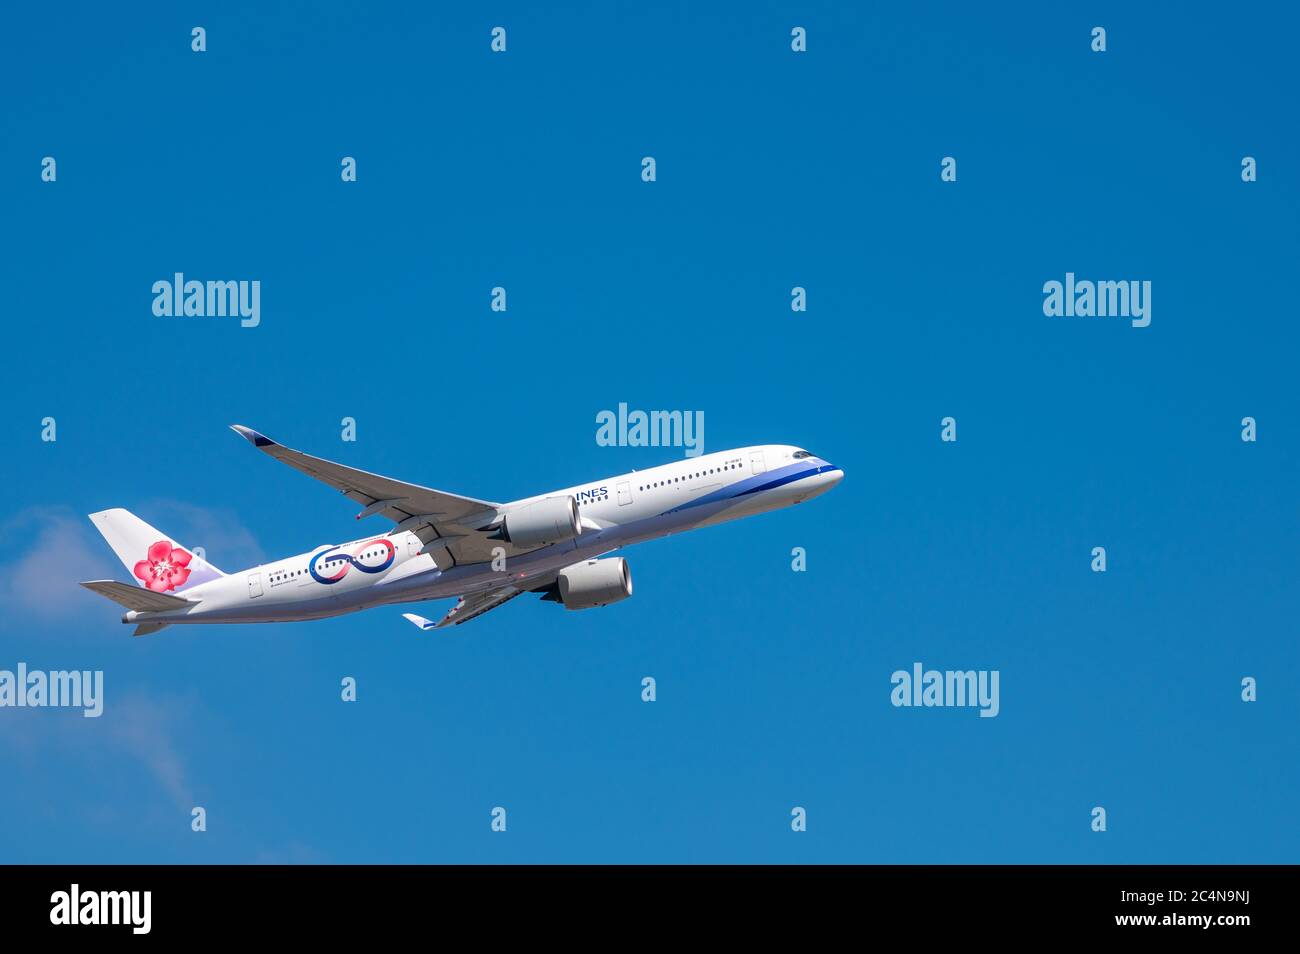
x=165, y=568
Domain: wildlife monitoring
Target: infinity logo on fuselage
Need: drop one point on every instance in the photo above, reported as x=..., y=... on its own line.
x=349, y=561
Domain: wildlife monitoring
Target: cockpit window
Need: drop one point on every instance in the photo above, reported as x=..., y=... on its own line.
x=801, y=454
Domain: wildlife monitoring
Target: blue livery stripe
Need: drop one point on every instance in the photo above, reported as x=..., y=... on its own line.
x=757, y=484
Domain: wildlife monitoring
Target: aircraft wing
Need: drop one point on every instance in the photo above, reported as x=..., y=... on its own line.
x=468, y=607
x=476, y=604
x=433, y=515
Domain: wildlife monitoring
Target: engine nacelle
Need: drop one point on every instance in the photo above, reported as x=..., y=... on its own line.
x=595, y=583
x=542, y=522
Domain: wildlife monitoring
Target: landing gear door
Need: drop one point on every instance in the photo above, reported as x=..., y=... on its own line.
x=756, y=464
x=624, y=493
x=254, y=585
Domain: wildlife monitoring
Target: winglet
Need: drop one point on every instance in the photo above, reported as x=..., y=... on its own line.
x=420, y=621
x=250, y=435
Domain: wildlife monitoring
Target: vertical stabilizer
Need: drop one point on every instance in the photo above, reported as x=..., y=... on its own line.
x=155, y=560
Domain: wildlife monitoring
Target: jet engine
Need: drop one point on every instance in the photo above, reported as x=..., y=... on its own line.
x=593, y=583
x=542, y=522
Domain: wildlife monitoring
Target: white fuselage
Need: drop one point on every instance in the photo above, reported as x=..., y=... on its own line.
x=387, y=568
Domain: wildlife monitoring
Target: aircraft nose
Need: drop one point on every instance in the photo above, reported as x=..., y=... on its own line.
x=827, y=476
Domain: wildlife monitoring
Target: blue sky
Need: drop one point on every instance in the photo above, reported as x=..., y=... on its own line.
x=821, y=169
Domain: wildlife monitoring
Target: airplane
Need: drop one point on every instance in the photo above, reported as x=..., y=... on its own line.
x=444, y=545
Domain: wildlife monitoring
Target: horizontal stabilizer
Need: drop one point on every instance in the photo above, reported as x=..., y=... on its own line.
x=137, y=597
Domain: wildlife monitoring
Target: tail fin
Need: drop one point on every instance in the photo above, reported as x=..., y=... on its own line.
x=157, y=562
